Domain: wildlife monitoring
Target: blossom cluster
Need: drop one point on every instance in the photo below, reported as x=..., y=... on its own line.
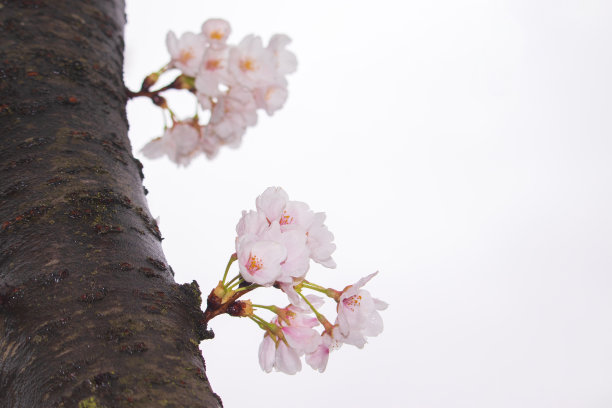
x=292, y=334
x=274, y=246
x=276, y=243
x=230, y=81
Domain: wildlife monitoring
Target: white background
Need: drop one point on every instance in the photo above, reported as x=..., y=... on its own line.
x=462, y=148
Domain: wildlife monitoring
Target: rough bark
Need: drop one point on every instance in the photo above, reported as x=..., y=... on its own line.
x=90, y=315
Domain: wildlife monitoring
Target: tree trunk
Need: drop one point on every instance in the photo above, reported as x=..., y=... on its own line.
x=90, y=315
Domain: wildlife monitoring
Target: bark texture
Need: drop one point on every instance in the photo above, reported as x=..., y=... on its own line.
x=90, y=315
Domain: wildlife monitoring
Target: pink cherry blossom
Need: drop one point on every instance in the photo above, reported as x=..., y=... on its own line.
x=180, y=143
x=212, y=73
x=267, y=351
x=295, y=215
x=319, y=357
x=259, y=260
x=298, y=338
x=358, y=315
x=287, y=359
x=272, y=202
x=251, y=222
x=297, y=262
x=216, y=31
x=186, y=52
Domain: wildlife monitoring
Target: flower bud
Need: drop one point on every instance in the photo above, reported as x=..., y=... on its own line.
x=149, y=81
x=240, y=308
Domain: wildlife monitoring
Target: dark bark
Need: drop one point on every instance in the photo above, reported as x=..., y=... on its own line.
x=90, y=315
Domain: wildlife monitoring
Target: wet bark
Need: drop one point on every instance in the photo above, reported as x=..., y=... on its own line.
x=90, y=315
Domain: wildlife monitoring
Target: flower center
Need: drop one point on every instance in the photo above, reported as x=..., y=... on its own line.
x=213, y=64
x=253, y=264
x=216, y=35
x=185, y=56
x=352, y=302
x=247, y=65
x=285, y=219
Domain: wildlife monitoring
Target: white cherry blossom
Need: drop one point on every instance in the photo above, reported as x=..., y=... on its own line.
x=186, y=52
x=216, y=31
x=181, y=143
x=259, y=260
x=251, y=64
x=211, y=74
x=271, y=98
x=298, y=338
x=285, y=60
x=209, y=143
x=358, y=315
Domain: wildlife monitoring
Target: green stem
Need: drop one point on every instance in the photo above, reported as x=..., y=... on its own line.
x=270, y=308
x=229, y=263
x=269, y=327
x=329, y=292
x=316, y=287
x=172, y=115
x=238, y=282
x=258, y=323
x=313, y=286
x=320, y=317
x=233, y=279
x=250, y=287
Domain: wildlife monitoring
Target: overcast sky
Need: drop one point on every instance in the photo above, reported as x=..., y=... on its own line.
x=462, y=148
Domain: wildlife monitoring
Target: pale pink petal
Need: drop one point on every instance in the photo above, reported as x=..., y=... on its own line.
x=251, y=64
x=296, y=214
x=216, y=31
x=154, y=149
x=271, y=99
x=287, y=359
x=293, y=296
x=186, y=52
x=318, y=358
x=302, y=339
x=320, y=241
x=251, y=222
x=259, y=261
x=272, y=203
x=297, y=262
x=286, y=62
x=266, y=354
x=379, y=304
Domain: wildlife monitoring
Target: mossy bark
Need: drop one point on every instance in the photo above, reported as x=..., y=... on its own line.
x=90, y=315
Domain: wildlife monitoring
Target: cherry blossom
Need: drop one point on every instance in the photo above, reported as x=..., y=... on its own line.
x=358, y=315
x=209, y=143
x=285, y=60
x=274, y=203
x=231, y=81
x=296, y=337
x=319, y=357
x=181, y=143
x=251, y=64
x=212, y=73
x=186, y=52
x=216, y=31
x=271, y=98
x=260, y=260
